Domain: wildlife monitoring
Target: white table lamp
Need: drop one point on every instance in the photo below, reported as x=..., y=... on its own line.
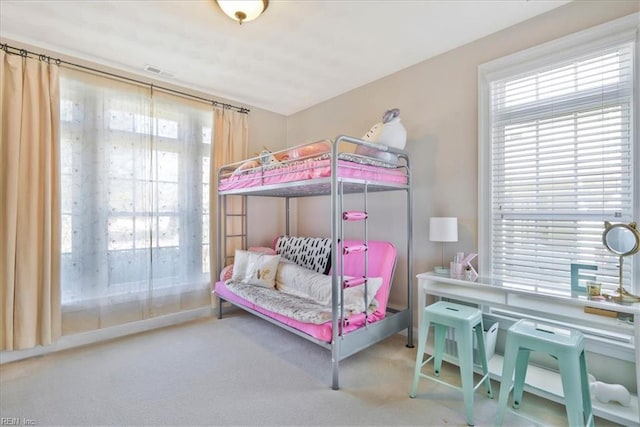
x=443, y=229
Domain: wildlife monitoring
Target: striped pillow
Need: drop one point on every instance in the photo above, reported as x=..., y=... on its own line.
x=313, y=253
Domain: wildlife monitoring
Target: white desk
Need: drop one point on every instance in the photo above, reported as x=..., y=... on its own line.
x=605, y=335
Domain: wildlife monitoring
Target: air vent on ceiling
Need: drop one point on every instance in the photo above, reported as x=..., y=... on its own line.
x=158, y=71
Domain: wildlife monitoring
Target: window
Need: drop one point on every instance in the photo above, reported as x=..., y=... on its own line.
x=135, y=170
x=557, y=147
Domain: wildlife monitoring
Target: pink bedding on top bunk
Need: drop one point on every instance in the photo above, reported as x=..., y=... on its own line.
x=311, y=169
x=382, y=259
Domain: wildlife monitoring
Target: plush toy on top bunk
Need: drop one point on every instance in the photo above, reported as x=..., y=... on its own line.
x=389, y=132
x=264, y=158
x=302, y=152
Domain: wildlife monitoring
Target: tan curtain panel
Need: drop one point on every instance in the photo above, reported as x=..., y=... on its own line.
x=29, y=202
x=230, y=144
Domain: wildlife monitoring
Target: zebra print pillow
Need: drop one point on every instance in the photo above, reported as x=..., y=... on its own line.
x=313, y=253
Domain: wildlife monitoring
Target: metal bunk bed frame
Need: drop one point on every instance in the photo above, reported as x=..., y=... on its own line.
x=341, y=345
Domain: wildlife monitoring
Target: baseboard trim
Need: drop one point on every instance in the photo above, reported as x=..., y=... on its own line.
x=85, y=338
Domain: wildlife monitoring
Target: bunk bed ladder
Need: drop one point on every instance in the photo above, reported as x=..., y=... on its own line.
x=362, y=216
x=231, y=231
x=235, y=235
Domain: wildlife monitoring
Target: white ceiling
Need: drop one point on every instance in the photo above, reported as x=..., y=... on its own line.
x=298, y=54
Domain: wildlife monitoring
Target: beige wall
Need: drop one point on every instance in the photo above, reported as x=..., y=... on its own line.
x=437, y=99
x=268, y=130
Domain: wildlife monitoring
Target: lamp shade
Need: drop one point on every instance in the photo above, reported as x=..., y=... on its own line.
x=243, y=10
x=443, y=229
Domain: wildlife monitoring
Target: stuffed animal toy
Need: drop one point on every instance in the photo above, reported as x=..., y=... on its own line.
x=389, y=132
x=606, y=393
x=264, y=158
x=393, y=132
x=373, y=133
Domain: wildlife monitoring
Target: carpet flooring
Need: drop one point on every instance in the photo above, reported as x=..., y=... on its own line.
x=239, y=371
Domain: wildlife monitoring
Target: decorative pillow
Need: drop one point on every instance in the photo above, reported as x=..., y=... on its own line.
x=354, y=297
x=226, y=273
x=301, y=282
x=263, y=250
x=309, y=150
x=313, y=253
x=237, y=271
x=240, y=265
x=262, y=269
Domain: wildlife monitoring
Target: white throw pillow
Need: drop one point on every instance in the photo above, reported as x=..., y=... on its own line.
x=302, y=282
x=354, y=297
x=240, y=265
x=262, y=269
x=299, y=281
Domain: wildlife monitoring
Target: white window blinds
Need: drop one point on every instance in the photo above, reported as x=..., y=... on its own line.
x=561, y=137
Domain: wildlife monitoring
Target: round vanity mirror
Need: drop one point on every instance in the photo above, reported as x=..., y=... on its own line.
x=622, y=240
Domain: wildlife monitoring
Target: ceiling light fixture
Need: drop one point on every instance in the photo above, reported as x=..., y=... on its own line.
x=243, y=10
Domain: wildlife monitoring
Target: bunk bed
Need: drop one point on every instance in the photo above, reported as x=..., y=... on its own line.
x=330, y=168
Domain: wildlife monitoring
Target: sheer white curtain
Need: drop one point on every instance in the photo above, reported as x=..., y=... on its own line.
x=135, y=170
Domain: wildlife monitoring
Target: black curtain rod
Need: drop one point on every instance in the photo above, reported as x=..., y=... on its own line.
x=24, y=52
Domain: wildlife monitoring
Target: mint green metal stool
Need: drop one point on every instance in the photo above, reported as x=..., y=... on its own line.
x=565, y=345
x=465, y=320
